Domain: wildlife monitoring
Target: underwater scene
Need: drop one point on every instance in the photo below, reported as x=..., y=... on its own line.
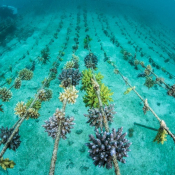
x=87, y=87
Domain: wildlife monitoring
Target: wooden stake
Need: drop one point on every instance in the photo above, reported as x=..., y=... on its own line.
x=57, y=139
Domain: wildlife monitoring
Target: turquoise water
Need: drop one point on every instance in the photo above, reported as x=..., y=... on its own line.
x=137, y=30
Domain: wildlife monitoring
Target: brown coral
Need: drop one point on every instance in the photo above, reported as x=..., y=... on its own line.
x=5, y=94
x=32, y=113
x=45, y=94
x=17, y=83
x=25, y=74
x=171, y=92
x=148, y=70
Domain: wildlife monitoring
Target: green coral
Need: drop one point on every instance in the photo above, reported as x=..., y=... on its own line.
x=86, y=79
x=129, y=90
x=91, y=100
x=161, y=136
x=6, y=163
x=9, y=80
x=149, y=82
x=36, y=105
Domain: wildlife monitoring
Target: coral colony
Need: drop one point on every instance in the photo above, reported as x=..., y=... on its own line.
x=56, y=77
x=105, y=145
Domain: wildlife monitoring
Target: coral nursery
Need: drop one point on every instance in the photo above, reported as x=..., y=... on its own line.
x=86, y=87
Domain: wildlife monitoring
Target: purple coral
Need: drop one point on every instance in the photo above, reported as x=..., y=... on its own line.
x=95, y=116
x=70, y=77
x=5, y=133
x=51, y=126
x=105, y=145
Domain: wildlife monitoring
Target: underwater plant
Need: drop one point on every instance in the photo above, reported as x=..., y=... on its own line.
x=6, y=163
x=69, y=77
x=105, y=145
x=25, y=74
x=70, y=94
x=95, y=116
x=5, y=133
x=91, y=61
x=5, y=94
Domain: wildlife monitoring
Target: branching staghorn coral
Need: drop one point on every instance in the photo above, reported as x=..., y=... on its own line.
x=69, y=77
x=105, y=145
x=32, y=113
x=129, y=90
x=25, y=74
x=90, y=99
x=45, y=94
x=70, y=94
x=36, y=105
x=149, y=82
x=20, y=109
x=161, y=134
x=87, y=79
x=75, y=59
x=6, y=163
x=171, y=92
x=69, y=65
x=5, y=94
x=44, y=55
x=17, y=83
x=95, y=115
x=51, y=125
x=91, y=61
x=5, y=134
x=148, y=70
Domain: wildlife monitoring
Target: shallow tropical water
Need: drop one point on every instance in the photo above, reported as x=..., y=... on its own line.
x=138, y=31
